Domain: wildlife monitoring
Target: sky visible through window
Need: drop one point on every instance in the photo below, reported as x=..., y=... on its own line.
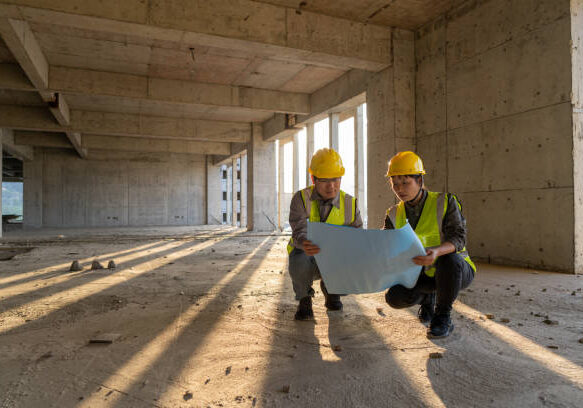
x=321, y=135
x=302, y=159
x=288, y=162
x=12, y=198
x=346, y=151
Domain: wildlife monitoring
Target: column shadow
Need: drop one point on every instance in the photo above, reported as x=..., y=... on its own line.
x=18, y=301
x=172, y=361
x=360, y=372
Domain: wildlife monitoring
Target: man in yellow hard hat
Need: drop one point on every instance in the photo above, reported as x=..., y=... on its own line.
x=438, y=222
x=323, y=201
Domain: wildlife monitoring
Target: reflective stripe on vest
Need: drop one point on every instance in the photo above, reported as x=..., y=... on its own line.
x=428, y=229
x=338, y=216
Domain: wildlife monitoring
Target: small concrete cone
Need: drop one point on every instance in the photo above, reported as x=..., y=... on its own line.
x=75, y=267
x=96, y=265
x=111, y=265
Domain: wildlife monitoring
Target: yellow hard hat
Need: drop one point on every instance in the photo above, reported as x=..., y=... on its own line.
x=326, y=163
x=405, y=163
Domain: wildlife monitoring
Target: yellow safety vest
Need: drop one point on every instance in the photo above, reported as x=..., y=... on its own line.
x=428, y=229
x=338, y=216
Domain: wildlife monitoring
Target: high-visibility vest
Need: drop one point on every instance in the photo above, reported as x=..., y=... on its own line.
x=338, y=216
x=429, y=227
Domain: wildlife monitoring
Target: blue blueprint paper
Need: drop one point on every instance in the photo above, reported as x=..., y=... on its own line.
x=353, y=260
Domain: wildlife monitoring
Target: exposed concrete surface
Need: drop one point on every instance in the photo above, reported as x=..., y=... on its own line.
x=204, y=317
x=24, y=153
x=577, y=104
x=261, y=183
x=214, y=194
x=245, y=25
x=494, y=125
x=1, y=137
x=391, y=122
x=115, y=189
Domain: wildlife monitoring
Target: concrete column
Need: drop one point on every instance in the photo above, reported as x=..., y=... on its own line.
x=280, y=177
x=359, y=160
x=1, y=164
x=334, y=120
x=261, y=183
x=229, y=195
x=214, y=194
x=32, y=216
x=309, y=150
x=244, y=191
x=577, y=104
x=391, y=122
x=296, y=167
x=234, y=187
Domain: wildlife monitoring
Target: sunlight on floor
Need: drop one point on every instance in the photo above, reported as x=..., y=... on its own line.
x=417, y=379
x=538, y=353
x=126, y=376
x=211, y=339
x=20, y=289
x=54, y=268
x=58, y=300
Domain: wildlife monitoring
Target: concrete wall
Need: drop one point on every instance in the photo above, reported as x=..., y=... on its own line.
x=494, y=125
x=390, y=98
x=113, y=189
x=577, y=103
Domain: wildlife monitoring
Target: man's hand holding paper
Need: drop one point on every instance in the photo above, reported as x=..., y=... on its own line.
x=355, y=261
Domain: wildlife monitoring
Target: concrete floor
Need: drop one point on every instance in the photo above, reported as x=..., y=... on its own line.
x=205, y=319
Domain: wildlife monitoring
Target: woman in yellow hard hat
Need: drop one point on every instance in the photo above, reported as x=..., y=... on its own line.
x=438, y=222
x=321, y=202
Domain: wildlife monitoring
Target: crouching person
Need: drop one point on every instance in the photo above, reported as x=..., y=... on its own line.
x=437, y=220
x=323, y=201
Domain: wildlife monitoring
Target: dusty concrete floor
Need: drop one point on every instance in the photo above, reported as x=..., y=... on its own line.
x=205, y=318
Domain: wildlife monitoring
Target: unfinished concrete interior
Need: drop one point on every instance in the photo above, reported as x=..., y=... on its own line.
x=169, y=137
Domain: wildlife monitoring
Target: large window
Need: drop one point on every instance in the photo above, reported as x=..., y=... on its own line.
x=321, y=134
x=12, y=200
x=302, y=152
x=346, y=150
x=288, y=169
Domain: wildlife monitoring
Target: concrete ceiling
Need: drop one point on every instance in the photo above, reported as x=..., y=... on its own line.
x=405, y=14
x=206, y=63
x=77, y=48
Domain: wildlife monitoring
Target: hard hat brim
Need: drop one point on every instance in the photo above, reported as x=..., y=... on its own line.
x=405, y=173
x=327, y=175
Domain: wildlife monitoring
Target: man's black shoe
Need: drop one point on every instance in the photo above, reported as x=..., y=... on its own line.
x=425, y=314
x=441, y=326
x=305, y=311
x=426, y=311
x=332, y=301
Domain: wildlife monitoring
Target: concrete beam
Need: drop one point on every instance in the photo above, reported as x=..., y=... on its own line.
x=38, y=139
x=60, y=110
x=276, y=128
x=237, y=149
x=39, y=119
x=23, y=45
x=98, y=83
x=249, y=26
x=134, y=144
x=24, y=153
x=75, y=139
x=120, y=143
x=346, y=92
